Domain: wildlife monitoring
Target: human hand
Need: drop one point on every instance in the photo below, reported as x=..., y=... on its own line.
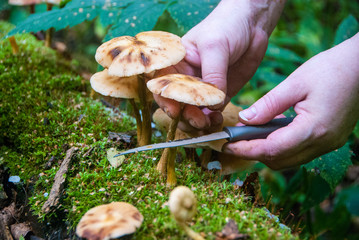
x=324, y=92
x=225, y=49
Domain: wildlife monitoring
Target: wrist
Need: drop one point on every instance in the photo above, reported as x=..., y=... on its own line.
x=266, y=13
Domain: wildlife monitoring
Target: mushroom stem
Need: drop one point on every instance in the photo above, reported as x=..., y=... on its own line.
x=162, y=165
x=146, y=130
x=192, y=234
x=14, y=46
x=138, y=120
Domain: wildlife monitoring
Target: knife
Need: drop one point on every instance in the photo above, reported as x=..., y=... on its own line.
x=232, y=134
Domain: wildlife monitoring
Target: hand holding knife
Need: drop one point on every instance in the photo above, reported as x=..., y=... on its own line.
x=232, y=134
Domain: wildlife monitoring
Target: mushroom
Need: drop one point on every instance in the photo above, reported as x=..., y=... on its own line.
x=49, y=32
x=183, y=206
x=116, y=220
x=211, y=150
x=125, y=87
x=186, y=90
x=30, y=3
x=144, y=53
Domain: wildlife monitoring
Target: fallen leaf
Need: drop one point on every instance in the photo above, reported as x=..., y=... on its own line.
x=114, y=161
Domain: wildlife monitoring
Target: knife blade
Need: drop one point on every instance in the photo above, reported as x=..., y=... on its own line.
x=232, y=134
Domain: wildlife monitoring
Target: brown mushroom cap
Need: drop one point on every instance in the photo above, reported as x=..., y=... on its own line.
x=125, y=87
x=109, y=221
x=147, y=51
x=186, y=89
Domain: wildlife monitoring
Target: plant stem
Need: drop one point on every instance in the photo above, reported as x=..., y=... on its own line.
x=14, y=46
x=49, y=32
x=146, y=130
x=138, y=119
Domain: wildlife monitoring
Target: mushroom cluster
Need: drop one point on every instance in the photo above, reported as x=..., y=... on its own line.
x=131, y=62
x=186, y=90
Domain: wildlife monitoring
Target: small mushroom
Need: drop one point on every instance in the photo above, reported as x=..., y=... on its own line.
x=116, y=220
x=30, y=3
x=135, y=56
x=183, y=206
x=125, y=87
x=186, y=90
x=49, y=32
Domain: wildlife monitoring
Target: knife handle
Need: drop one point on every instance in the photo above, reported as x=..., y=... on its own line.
x=256, y=131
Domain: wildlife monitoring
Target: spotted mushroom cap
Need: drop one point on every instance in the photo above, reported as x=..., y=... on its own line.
x=118, y=87
x=143, y=53
x=186, y=89
x=109, y=221
x=24, y=2
x=182, y=203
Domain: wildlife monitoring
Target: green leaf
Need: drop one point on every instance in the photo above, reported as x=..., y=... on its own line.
x=349, y=198
x=137, y=17
x=332, y=166
x=188, y=13
x=347, y=28
x=75, y=12
x=280, y=53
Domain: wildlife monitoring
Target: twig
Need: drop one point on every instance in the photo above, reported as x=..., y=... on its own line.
x=59, y=182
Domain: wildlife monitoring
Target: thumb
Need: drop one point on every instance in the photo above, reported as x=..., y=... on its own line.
x=214, y=62
x=275, y=102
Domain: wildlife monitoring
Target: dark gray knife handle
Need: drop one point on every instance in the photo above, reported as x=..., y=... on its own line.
x=256, y=132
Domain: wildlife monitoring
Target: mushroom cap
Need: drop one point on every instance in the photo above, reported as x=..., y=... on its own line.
x=55, y=2
x=24, y=2
x=186, y=89
x=182, y=203
x=125, y=87
x=147, y=51
x=109, y=221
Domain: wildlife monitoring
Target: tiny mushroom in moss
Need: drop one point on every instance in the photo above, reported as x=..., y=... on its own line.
x=116, y=220
x=49, y=32
x=183, y=206
x=186, y=90
x=31, y=3
x=135, y=56
x=120, y=87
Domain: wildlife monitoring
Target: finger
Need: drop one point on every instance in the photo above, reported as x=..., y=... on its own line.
x=171, y=107
x=243, y=70
x=286, y=142
x=195, y=117
x=214, y=61
x=275, y=102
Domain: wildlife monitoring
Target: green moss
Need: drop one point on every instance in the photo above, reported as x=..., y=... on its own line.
x=45, y=108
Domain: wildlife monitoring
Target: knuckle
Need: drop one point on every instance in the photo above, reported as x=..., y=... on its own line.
x=271, y=102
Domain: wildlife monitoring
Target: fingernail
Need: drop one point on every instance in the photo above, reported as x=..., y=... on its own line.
x=226, y=150
x=248, y=114
x=193, y=123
